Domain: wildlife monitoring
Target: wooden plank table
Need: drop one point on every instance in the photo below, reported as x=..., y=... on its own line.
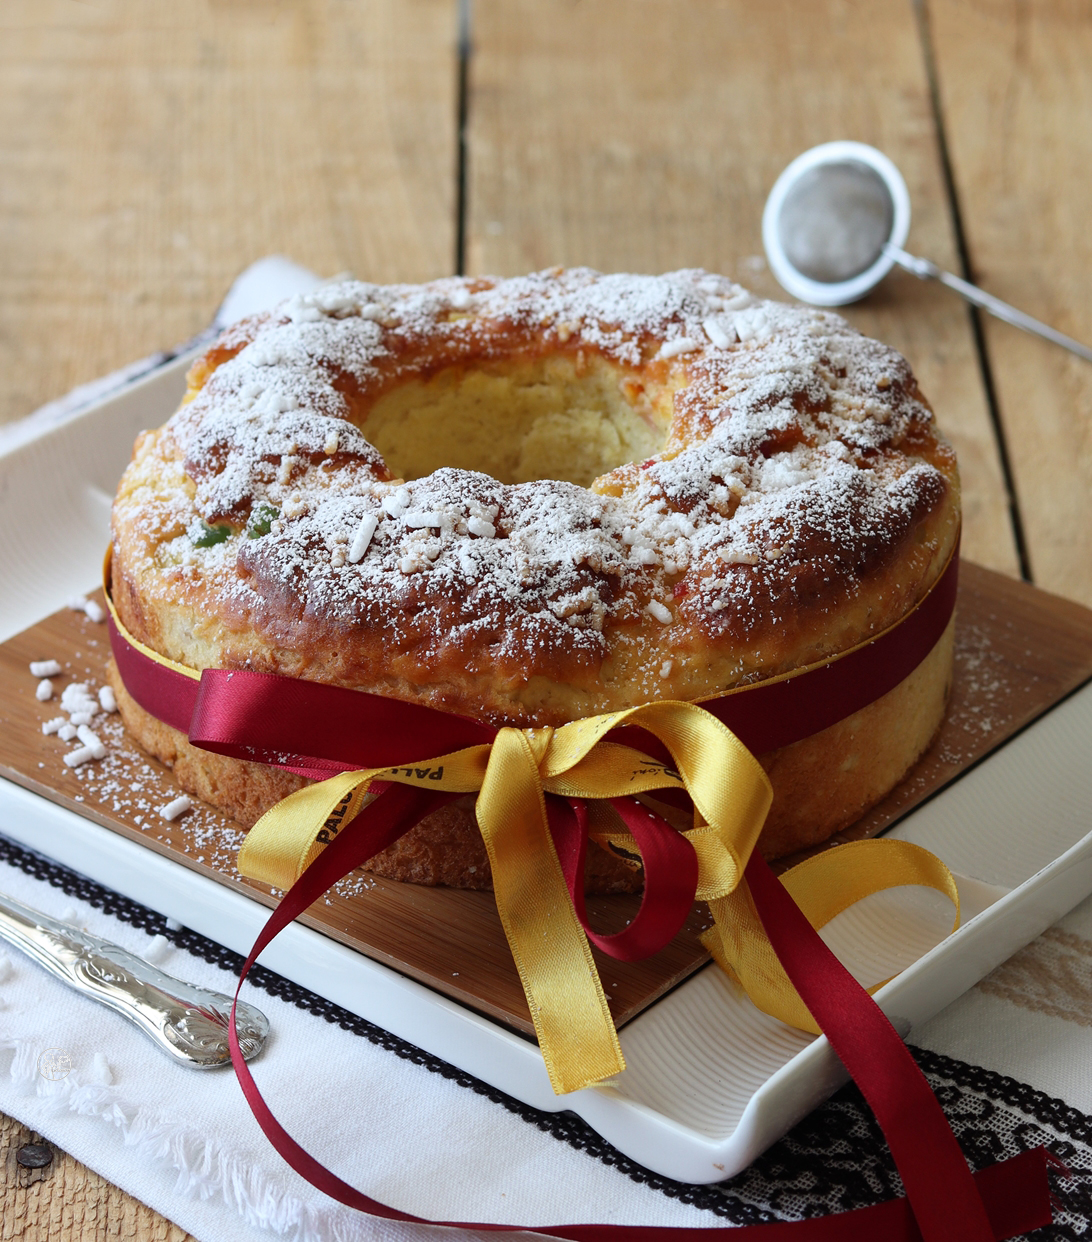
x=1021, y=150
x=150, y=152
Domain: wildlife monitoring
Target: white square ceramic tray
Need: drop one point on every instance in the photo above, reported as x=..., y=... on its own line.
x=711, y=1082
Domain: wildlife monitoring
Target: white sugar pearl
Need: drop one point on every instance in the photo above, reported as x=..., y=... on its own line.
x=660, y=611
x=91, y=740
x=716, y=333
x=423, y=519
x=484, y=530
x=179, y=806
x=363, y=537
x=680, y=345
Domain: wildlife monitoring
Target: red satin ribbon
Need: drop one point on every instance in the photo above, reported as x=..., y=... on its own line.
x=944, y=1204
x=671, y=875
x=315, y=729
x=937, y=1181
x=769, y=716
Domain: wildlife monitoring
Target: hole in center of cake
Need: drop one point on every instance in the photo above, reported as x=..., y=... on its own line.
x=567, y=417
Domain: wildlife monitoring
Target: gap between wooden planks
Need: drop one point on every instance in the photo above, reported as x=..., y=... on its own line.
x=1016, y=92
x=646, y=136
x=1018, y=651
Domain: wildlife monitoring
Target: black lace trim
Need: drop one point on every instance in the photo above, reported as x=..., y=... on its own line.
x=833, y=1161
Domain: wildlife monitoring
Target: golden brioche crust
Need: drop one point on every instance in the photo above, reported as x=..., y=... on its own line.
x=751, y=487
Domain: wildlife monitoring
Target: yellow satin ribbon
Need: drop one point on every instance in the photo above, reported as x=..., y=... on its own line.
x=822, y=886
x=731, y=795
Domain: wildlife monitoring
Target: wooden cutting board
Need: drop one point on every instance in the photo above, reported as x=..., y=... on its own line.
x=1018, y=652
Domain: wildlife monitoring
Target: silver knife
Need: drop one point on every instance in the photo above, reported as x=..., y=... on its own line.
x=188, y=1023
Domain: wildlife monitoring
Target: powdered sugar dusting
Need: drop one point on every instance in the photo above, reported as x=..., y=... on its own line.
x=794, y=465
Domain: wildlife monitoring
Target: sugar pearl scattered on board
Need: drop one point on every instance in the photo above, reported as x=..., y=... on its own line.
x=91, y=741
x=45, y=690
x=179, y=806
x=44, y=668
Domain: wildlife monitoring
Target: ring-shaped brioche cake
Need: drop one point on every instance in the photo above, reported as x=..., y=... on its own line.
x=529, y=501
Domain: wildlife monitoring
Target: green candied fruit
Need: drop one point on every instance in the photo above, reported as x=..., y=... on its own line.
x=261, y=518
x=204, y=535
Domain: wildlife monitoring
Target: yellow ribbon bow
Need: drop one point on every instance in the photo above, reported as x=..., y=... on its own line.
x=731, y=796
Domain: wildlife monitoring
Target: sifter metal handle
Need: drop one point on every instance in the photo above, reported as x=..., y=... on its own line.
x=925, y=269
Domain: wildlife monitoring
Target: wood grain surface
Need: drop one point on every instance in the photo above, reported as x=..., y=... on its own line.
x=639, y=135
x=150, y=152
x=65, y=1199
x=1021, y=140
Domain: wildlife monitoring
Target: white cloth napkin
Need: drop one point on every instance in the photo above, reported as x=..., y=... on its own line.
x=184, y=1141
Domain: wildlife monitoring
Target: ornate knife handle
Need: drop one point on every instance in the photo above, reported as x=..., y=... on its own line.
x=188, y=1023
